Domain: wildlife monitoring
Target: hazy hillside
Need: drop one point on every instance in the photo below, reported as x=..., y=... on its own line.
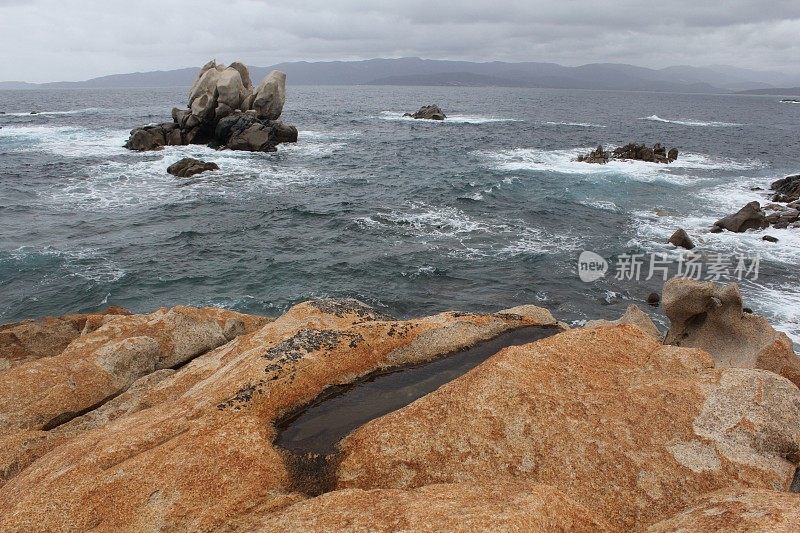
x=416, y=71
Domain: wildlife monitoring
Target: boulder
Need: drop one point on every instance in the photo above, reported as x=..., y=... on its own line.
x=786, y=189
x=681, y=239
x=435, y=508
x=709, y=316
x=284, y=133
x=428, y=112
x=147, y=138
x=653, y=299
x=231, y=90
x=188, y=167
x=256, y=138
x=751, y=216
x=598, y=156
x=673, y=154
x=737, y=509
x=270, y=96
x=244, y=74
x=633, y=430
x=769, y=238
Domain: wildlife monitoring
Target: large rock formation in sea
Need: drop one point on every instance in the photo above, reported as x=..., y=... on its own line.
x=225, y=111
x=170, y=421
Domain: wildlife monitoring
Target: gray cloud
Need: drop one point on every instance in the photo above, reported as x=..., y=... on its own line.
x=46, y=40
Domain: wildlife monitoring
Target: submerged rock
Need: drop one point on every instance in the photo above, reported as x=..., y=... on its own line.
x=219, y=94
x=709, y=316
x=751, y=216
x=188, y=167
x=428, y=112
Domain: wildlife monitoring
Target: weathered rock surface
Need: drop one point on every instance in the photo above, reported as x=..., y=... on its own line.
x=709, y=316
x=632, y=430
x=224, y=94
x=463, y=507
x=751, y=216
x=28, y=340
x=638, y=152
x=735, y=511
x=428, y=112
x=188, y=167
x=634, y=316
x=190, y=447
x=681, y=239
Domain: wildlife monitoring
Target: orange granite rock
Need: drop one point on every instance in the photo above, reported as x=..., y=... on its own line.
x=737, y=511
x=459, y=507
x=192, y=449
x=633, y=430
x=28, y=340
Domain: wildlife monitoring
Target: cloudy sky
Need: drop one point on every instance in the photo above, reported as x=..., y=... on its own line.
x=49, y=40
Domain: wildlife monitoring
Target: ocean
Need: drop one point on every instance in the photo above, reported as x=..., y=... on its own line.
x=484, y=211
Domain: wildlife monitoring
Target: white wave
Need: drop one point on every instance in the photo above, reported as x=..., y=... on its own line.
x=574, y=124
x=566, y=162
x=601, y=204
x=65, y=141
x=88, y=264
x=451, y=119
x=34, y=112
x=144, y=183
x=463, y=236
x=682, y=122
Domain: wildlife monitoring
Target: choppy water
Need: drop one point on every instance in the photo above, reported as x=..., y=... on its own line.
x=483, y=211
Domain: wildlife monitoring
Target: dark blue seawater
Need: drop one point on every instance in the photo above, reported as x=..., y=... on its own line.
x=484, y=211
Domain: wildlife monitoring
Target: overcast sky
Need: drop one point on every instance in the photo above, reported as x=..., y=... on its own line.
x=53, y=40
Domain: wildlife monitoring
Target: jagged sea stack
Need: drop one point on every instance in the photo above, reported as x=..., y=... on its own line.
x=224, y=111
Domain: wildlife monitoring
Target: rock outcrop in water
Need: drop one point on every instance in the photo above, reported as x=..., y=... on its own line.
x=639, y=152
x=224, y=111
x=167, y=421
x=786, y=189
x=428, y=112
x=188, y=167
x=751, y=216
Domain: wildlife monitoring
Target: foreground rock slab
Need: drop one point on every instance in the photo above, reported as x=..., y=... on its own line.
x=633, y=430
x=189, y=445
x=448, y=507
x=710, y=316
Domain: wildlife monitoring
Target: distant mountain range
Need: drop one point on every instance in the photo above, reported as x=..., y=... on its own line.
x=428, y=72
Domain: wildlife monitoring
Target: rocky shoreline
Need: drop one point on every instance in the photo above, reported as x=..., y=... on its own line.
x=168, y=421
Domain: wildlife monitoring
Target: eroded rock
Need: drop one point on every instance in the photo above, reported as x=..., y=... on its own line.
x=751, y=216
x=709, y=316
